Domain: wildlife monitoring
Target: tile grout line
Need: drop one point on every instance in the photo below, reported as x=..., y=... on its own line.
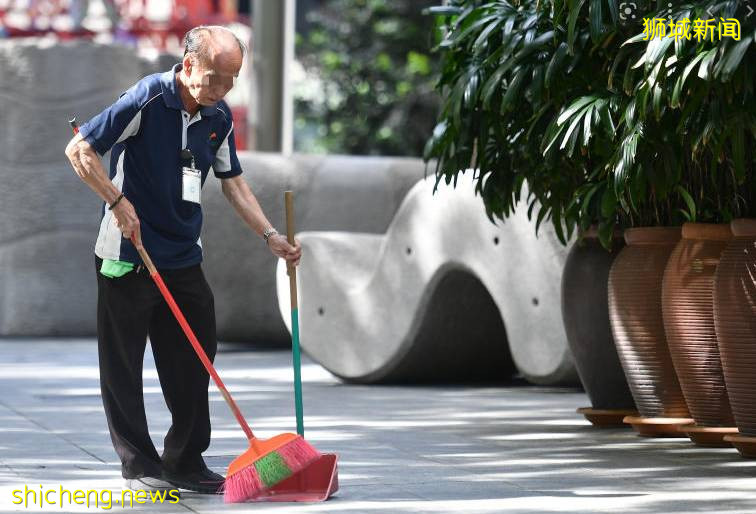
x=34, y=422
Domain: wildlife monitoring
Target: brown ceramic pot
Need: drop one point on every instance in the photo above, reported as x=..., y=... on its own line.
x=688, y=307
x=735, y=322
x=635, y=313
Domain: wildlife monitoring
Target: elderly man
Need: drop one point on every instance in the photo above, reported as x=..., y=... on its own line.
x=164, y=135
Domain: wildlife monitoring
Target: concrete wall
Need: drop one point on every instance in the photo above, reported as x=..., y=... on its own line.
x=48, y=217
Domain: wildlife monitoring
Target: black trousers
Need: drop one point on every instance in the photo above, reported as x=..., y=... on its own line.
x=130, y=308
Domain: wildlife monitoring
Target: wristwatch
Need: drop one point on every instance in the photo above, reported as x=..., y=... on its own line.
x=269, y=232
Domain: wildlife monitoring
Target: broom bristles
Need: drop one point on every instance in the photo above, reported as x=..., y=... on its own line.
x=242, y=485
x=298, y=454
x=247, y=483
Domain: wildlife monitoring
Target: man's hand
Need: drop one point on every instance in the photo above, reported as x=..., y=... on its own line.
x=281, y=248
x=127, y=221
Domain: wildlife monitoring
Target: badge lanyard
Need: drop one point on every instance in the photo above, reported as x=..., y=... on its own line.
x=191, y=179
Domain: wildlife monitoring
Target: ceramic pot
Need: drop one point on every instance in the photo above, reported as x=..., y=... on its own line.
x=688, y=308
x=635, y=314
x=735, y=324
x=585, y=313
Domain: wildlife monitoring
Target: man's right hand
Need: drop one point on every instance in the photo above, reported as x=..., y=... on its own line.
x=127, y=221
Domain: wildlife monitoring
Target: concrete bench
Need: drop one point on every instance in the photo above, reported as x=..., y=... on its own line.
x=444, y=294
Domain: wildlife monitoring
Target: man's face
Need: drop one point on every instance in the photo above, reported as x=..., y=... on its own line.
x=209, y=83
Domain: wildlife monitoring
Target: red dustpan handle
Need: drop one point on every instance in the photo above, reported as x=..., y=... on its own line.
x=192, y=338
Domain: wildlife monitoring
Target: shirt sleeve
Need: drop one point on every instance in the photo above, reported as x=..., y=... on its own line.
x=226, y=163
x=113, y=125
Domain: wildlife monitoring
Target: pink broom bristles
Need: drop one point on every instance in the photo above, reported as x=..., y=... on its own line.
x=247, y=484
x=242, y=485
x=298, y=454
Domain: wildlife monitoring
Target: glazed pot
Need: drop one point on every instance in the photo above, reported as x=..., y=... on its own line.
x=585, y=313
x=735, y=322
x=688, y=308
x=635, y=314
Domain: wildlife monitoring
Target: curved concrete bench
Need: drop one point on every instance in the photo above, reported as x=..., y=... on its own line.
x=332, y=192
x=416, y=302
x=49, y=218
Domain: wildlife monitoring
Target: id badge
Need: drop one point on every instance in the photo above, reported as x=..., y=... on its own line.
x=192, y=185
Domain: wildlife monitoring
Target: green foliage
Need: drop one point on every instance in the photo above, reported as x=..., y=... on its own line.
x=368, y=85
x=602, y=127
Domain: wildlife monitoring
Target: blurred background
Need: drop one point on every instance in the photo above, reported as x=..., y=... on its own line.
x=338, y=102
x=333, y=76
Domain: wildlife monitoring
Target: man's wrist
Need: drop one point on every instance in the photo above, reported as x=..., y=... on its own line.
x=268, y=233
x=115, y=202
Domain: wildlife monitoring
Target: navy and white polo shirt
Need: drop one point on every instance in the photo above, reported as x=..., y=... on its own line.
x=146, y=129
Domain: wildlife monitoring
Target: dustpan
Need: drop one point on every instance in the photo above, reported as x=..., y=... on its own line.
x=318, y=481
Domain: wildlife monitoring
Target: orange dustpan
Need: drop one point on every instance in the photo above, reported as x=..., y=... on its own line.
x=320, y=479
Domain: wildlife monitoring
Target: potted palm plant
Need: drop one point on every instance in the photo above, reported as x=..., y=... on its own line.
x=670, y=167
x=507, y=71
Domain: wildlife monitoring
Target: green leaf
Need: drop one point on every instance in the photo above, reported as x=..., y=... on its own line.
x=608, y=203
x=460, y=37
x=570, y=135
x=512, y=91
x=691, y=213
x=619, y=58
x=586, y=201
x=732, y=60
x=606, y=119
x=491, y=86
x=656, y=101
x=635, y=39
x=575, y=8
x=485, y=33
x=556, y=61
x=542, y=212
x=606, y=233
x=596, y=16
x=680, y=83
x=553, y=132
x=613, y=10
x=574, y=107
x=704, y=71
x=587, y=121
x=556, y=220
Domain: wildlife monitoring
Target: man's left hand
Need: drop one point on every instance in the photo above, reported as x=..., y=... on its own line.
x=281, y=248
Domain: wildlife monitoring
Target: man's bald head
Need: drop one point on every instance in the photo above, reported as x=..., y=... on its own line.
x=214, y=45
x=213, y=58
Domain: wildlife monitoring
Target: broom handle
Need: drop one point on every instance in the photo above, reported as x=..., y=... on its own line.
x=192, y=338
x=296, y=355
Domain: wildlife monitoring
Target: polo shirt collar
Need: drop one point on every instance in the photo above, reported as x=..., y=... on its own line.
x=171, y=95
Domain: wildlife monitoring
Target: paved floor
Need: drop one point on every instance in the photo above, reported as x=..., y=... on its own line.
x=402, y=449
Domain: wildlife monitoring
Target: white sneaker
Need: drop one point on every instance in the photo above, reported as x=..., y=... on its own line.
x=149, y=484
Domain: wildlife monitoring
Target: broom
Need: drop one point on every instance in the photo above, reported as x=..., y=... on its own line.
x=267, y=461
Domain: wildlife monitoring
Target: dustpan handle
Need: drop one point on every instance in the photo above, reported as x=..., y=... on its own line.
x=296, y=354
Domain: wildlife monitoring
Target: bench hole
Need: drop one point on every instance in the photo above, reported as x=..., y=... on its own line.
x=535, y=301
x=321, y=311
x=409, y=251
x=496, y=240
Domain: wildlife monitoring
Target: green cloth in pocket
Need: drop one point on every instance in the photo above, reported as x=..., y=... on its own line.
x=115, y=269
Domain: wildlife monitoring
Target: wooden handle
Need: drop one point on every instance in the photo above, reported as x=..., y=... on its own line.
x=145, y=257
x=291, y=269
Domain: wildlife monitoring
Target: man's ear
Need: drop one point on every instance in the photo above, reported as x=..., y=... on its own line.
x=187, y=64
